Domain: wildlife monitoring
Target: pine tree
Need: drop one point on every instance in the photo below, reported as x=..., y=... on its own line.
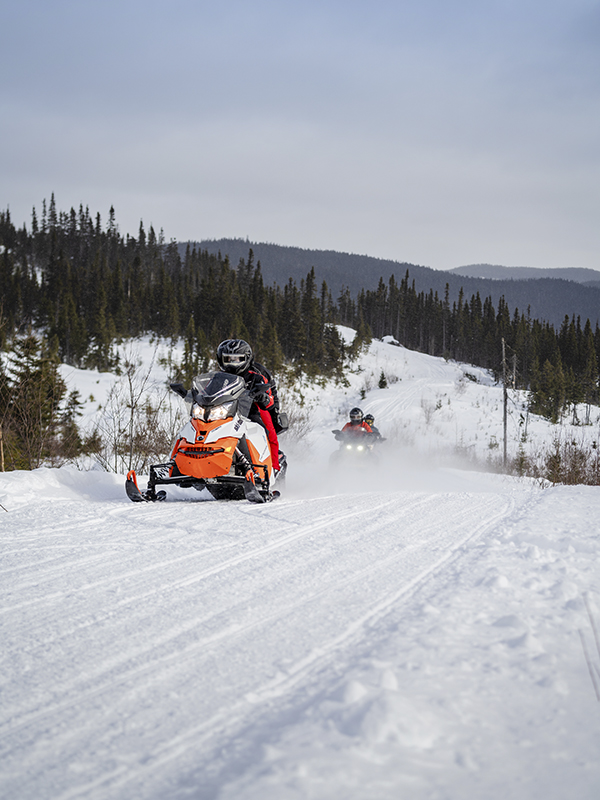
x=313, y=324
x=362, y=339
x=36, y=391
x=99, y=355
x=189, y=364
x=589, y=381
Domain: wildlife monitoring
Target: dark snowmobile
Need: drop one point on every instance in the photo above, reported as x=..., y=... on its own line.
x=354, y=447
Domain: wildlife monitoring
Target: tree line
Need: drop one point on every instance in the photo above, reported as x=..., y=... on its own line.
x=86, y=286
x=559, y=368
x=72, y=286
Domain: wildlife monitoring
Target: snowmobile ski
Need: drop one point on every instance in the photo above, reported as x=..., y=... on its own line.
x=251, y=492
x=136, y=496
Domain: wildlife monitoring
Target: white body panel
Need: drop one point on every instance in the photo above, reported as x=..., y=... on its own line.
x=235, y=427
x=256, y=434
x=188, y=432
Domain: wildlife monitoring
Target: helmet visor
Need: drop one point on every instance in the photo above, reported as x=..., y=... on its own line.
x=234, y=359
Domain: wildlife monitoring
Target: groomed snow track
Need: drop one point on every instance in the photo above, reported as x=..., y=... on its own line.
x=146, y=644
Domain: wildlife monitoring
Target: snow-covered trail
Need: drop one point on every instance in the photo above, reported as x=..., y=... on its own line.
x=406, y=631
x=140, y=642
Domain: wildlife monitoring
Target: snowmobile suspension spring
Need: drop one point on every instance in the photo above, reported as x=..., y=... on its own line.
x=246, y=465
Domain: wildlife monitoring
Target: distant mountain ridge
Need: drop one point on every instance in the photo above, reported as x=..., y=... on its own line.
x=498, y=272
x=547, y=298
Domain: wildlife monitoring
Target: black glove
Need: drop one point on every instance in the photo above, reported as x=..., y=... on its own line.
x=261, y=399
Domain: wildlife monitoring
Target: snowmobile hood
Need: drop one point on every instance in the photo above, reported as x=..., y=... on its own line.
x=217, y=388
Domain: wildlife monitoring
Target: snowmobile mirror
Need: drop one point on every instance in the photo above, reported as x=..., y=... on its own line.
x=336, y=432
x=179, y=389
x=284, y=421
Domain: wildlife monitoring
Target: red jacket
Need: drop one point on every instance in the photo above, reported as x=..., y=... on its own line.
x=357, y=430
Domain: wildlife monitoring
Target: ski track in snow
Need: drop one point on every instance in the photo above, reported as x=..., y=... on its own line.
x=119, y=617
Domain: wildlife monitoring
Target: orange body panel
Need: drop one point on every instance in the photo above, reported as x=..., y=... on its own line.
x=190, y=460
x=197, y=465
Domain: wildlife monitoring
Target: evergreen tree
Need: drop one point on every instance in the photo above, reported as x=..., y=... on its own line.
x=189, y=364
x=589, y=381
x=313, y=324
x=35, y=393
x=99, y=355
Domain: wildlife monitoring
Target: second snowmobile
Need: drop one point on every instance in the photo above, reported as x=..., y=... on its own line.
x=353, y=447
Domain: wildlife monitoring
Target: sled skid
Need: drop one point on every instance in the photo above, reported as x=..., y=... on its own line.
x=131, y=487
x=134, y=494
x=251, y=492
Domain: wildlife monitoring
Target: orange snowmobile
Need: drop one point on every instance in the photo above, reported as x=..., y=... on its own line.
x=219, y=449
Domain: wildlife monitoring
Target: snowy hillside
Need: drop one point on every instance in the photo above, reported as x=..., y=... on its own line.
x=431, y=408
x=408, y=629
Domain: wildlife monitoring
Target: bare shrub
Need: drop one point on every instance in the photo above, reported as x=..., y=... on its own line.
x=565, y=461
x=138, y=422
x=293, y=402
x=299, y=424
x=428, y=408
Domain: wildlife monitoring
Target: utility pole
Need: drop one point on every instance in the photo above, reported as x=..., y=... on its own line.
x=504, y=397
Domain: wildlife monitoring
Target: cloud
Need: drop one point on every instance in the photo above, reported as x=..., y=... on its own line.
x=433, y=132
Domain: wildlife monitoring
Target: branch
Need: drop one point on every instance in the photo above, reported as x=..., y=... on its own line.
x=592, y=621
x=589, y=665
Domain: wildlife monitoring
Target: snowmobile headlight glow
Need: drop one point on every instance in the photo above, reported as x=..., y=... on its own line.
x=219, y=412
x=348, y=447
x=360, y=447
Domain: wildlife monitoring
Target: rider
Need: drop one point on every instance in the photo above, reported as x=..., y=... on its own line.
x=370, y=419
x=235, y=356
x=357, y=425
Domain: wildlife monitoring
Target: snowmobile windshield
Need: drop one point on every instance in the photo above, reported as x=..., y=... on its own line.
x=216, y=395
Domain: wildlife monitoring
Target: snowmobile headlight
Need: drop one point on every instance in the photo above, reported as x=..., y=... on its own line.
x=360, y=447
x=219, y=412
x=348, y=447
x=197, y=411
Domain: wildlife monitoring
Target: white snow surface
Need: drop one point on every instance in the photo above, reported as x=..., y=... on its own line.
x=406, y=629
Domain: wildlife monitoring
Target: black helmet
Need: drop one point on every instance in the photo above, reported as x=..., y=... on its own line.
x=234, y=355
x=369, y=419
x=356, y=415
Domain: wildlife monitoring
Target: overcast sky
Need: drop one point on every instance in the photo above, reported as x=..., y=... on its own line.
x=434, y=132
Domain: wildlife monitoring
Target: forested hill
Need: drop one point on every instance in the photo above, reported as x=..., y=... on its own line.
x=548, y=299
x=589, y=277
x=71, y=287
